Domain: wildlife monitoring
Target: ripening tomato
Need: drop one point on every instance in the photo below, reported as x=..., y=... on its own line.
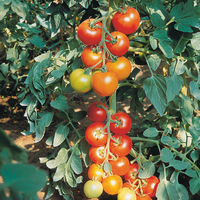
x=132, y=173
x=127, y=22
x=97, y=154
x=104, y=84
x=132, y=186
x=120, y=46
x=90, y=34
x=144, y=197
x=90, y=57
x=80, y=81
x=93, y=189
x=112, y=184
x=95, y=172
x=122, y=67
x=96, y=135
x=123, y=148
x=124, y=123
x=96, y=113
x=151, y=186
x=126, y=194
x=120, y=166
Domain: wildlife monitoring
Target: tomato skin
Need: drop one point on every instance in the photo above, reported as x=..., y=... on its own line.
x=97, y=154
x=131, y=175
x=91, y=58
x=122, y=67
x=95, y=172
x=104, y=84
x=121, y=46
x=123, y=148
x=151, y=187
x=96, y=114
x=79, y=81
x=126, y=194
x=93, y=189
x=128, y=22
x=89, y=36
x=95, y=135
x=112, y=184
x=131, y=187
x=120, y=166
x=125, y=127
x=144, y=197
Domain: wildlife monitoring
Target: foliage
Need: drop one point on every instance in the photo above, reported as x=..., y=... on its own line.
x=41, y=48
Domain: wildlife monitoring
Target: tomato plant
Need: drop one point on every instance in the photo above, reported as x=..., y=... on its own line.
x=93, y=189
x=96, y=113
x=126, y=194
x=132, y=173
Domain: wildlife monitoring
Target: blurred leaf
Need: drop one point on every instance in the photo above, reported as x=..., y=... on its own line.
x=36, y=40
x=107, y=167
x=150, y=132
x=78, y=116
x=153, y=42
x=12, y=54
x=194, y=185
x=147, y=170
x=194, y=89
x=60, y=103
x=195, y=41
x=3, y=10
x=194, y=133
x=166, y=155
x=19, y=8
x=85, y=147
x=179, y=165
x=194, y=155
x=60, y=135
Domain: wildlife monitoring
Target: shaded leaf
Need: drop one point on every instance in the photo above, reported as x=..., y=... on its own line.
x=150, y=132
x=147, y=170
x=166, y=155
x=153, y=61
x=194, y=185
x=36, y=40
x=194, y=89
x=60, y=103
x=179, y=165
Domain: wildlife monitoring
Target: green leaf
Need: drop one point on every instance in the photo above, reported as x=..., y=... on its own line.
x=178, y=165
x=194, y=89
x=36, y=40
x=194, y=155
x=155, y=89
x=60, y=135
x=60, y=103
x=19, y=8
x=44, y=122
x=153, y=42
x=23, y=178
x=60, y=159
x=77, y=63
x=78, y=116
x=174, y=85
x=70, y=177
x=12, y=54
x=195, y=41
x=153, y=61
x=150, y=132
x=60, y=172
x=166, y=155
x=85, y=147
x=147, y=170
x=107, y=167
x=191, y=173
x=59, y=72
x=194, y=185
x=76, y=164
x=3, y=10
x=194, y=133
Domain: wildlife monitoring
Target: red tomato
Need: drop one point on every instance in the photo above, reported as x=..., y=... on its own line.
x=124, y=127
x=95, y=113
x=127, y=22
x=104, y=84
x=122, y=67
x=90, y=57
x=123, y=148
x=132, y=187
x=131, y=175
x=90, y=35
x=97, y=154
x=120, y=166
x=144, y=197
x=151, y=186
x=120, y=47
x=112, y=184
x=96, y=135
x=95, y=172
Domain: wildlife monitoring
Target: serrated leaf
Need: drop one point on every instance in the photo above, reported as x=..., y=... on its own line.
x=153, y=61
x=76, y=164
x=44, y=122
x=166, y=155
x=147, y=170
x=194, y=185
x=60, y=103
x=60, y=135
x=150, y=132
x=36, y=40
x=155, y=89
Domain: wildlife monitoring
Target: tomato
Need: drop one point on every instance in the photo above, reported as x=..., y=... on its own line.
x=112, y=184
x=90, y=57
x=123, y=148
x=144, y=197
x=120, y=47
x=120, y=166
x=126, y=194
x=79, y=81
x=122, y=67
x=90, y=35
x=97, y=154
x=96, y=135
x=93, y=189
x=104, y=84
x=151, y=186
x=124, y=127
x=131, y=186
x=95, y=113
x=95, y=173
x=127, y=22
x=131, y=175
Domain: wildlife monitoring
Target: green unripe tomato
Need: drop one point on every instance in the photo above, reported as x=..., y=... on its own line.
x=93, y=189
x=80, y=81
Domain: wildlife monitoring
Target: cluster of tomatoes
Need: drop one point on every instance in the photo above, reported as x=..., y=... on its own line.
x=109, y=147
x=103, y=55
